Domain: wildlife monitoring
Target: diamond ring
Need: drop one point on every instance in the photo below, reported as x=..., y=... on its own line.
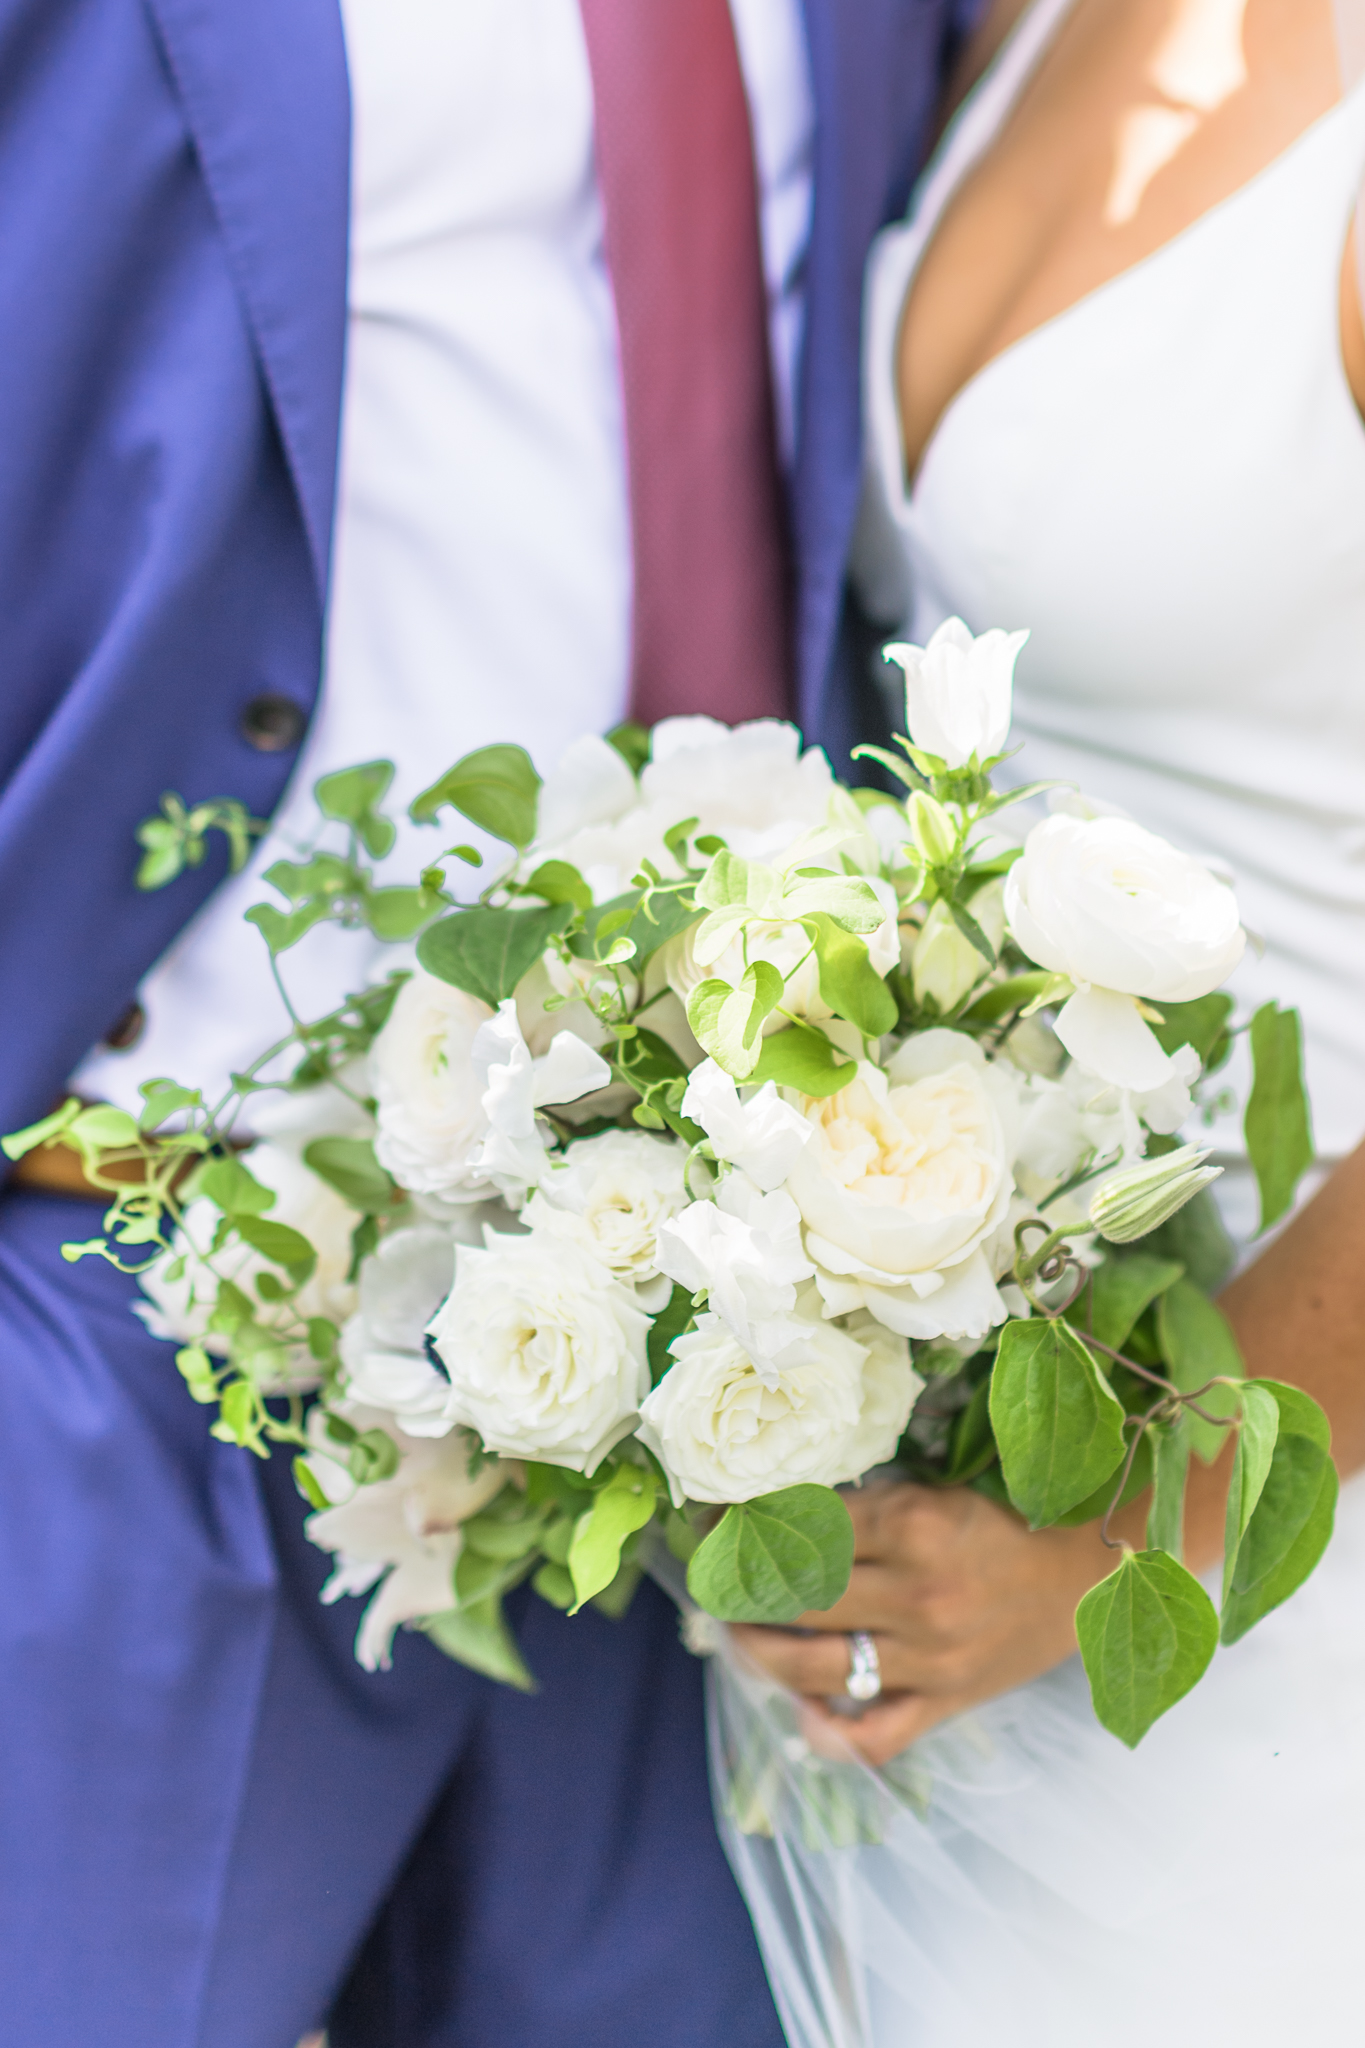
x=864, y=1679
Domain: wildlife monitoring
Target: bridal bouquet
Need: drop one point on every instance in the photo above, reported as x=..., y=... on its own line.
x=747, y=1134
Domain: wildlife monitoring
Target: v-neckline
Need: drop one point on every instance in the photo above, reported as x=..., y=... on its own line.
x=940, y=165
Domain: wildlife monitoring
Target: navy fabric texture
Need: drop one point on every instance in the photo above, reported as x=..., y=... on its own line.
x=206, y=1802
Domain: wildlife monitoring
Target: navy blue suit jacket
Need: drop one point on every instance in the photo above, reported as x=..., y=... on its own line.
x=172, y=321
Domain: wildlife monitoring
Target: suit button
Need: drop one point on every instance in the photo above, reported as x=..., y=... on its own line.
x=122, y=1036
x=272, y=723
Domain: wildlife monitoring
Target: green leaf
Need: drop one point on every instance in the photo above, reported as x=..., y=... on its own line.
x=1250, y=1469
x=631, y=742
x=1241, y=1611
x=1170, y=1463
x=279, y=1243
x=486, y=952
x=349, y=1166
x=1278, y=1135
x=848, y=899
x=1196, y=1235
x=351, y=792
x=972, y=1446
x=647, y=924
x=306, y=1482
x=672, y=1319
x=1197, y=1344
x=772, y=1558
x=727, y=1022
x=1015, y=994
x=800, y=1057
x=1120, y=1289
x=849, y=983
x=104, y=1128
x=1146, y=1634
x=505, y=1536
x=479, y=1637
x=395, y=914
x=622, y=1506
x=972, y=932
x=32, y=1135
x=1202, y=1024
x=553, y=1583
x=558, y=882
x=1056, y=1419
x=496, y=788
x=161, y=1099
x=279, y=931
x=228, y=1184
x=373, y=1456
x=1293, y=1498
x=1097, y=1504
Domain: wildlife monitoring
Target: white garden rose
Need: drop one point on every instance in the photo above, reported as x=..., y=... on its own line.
x=612, y=1195
x=958, y=691
x=749, y=783
x=545, y=1350
x=891, y=1386
x=1126, y=917
x=725, y=1431
x=402, y=1533
x=179, y=1307
x=905, y=1178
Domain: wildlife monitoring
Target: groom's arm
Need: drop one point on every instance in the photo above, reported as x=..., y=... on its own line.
x=965, y=1602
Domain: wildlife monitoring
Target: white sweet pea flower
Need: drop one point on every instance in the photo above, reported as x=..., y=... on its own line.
x=613, y=1195
x=545, y=1350
x=761, y=1135
x=401, y=1285
x=905, y=1179
x=180, y=1307
x=724, y=1431
x=958, y=691
x=745, y=1249
x=402, y=1533
x=1126, y=917
x=457, y=1090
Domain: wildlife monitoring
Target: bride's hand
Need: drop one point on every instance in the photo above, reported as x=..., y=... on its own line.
x=963, y=1600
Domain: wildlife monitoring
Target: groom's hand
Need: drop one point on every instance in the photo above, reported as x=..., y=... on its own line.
x=963, y=1600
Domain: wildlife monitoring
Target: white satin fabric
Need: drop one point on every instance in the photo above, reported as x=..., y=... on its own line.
x=1167, y=484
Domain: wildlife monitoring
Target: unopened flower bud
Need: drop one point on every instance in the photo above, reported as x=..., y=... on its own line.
x=1137, y=1199
x=932, y=829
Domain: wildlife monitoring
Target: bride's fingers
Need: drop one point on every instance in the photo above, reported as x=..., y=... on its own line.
x=881, y=1732
x=818, y=1665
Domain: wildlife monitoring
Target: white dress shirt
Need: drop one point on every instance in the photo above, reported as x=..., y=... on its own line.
x=481, y=583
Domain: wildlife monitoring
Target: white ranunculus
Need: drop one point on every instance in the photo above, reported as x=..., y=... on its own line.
x=545, y=1350
x=905, y=1178
x=180, y=1307
x=761, y=1134
x=725, y=1431
x=612, y=1195
x=745, y=1250
x=457, y=1090
x=402, y=1533
x=958, y=691
x=1126, y=917
x=590, y=785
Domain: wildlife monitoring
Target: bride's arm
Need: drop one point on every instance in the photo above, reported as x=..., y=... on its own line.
x=965, y=1602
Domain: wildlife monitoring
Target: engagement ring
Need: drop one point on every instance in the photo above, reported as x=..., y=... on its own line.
x=864, y=1679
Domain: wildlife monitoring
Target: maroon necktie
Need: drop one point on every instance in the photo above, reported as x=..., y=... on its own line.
x=710, y=629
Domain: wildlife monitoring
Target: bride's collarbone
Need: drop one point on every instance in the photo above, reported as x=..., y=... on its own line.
x=1137, y=122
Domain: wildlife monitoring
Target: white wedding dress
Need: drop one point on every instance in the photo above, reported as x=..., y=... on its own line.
x=1166, y=483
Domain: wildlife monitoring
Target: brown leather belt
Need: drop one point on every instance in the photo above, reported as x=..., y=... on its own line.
x=58, y=1169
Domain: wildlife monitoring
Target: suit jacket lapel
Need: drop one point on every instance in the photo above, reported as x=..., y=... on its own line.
x=265, y=92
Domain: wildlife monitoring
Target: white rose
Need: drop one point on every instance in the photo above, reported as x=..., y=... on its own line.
x=402, y=1533
x=891, y=1386
x=745, y=1250
x=544, y=1348
x=761, y=1134
x=612, y=1195
x=179, y=1308
x=905, y=1178
x=457, y=1091
x=1125, y=916
x=724, y=1431
x=958, y=691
